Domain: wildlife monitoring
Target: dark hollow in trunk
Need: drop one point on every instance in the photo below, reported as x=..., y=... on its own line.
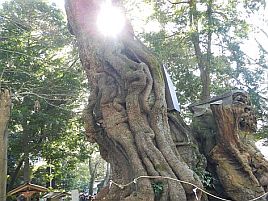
x=239, y=166
x=224, y=125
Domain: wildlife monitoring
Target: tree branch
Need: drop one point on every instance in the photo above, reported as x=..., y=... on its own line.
x=175, y=3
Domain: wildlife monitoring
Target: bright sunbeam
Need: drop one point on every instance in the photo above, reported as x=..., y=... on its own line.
x=110, y=20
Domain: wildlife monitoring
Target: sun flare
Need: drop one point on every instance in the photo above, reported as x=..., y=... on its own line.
x=111, y=20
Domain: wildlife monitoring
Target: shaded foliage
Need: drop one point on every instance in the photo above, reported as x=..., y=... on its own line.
x=39, y=66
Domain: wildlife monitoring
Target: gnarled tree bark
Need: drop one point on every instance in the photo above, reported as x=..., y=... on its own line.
x=127, y=116
x=127, y=113
x=241, y=170
x=223, y=133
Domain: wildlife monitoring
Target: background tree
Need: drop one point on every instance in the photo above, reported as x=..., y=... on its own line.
x=202, y=43
x=215, y=39
x=40, y=68
x=5, y=105
x=96, y=170
x=226, y=34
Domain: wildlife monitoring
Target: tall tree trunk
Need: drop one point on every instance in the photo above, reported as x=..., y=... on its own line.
x=5, y=104
x=26, y=168
x=14, y=176
x=107, y=174
x=93, y=167
x=203, y=61
x=127, y=113
x=26, y=149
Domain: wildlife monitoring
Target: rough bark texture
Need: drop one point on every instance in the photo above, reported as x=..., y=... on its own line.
x=127, y=114
x=5, y=104
x=223, y=132
x=237, y=166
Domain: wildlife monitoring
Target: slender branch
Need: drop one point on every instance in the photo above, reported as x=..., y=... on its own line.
x=46, y=100
x=16, y=23
x=20, y=53
x=255, y=62
x=181, y=2
x=74, y=62
x=264, y=32
x=261, y=46
x=220, y=13
x=46, y=96
x=246, y=85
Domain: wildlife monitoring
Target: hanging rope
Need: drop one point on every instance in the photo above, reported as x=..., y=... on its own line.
x=122, y=186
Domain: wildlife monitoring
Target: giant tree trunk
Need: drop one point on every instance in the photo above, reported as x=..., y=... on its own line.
x=5, y=103
x=127, y=113
x=127, y=116
x=242, y=171
x=223, y=131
